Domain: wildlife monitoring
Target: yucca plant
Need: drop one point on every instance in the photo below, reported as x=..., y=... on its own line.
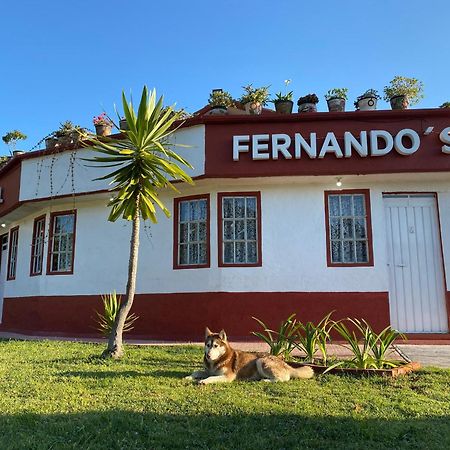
x=281, y=343
x=381, y=343
x=106, y=319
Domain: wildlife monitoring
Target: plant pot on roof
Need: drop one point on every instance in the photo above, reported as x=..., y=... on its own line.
x=11, y=138
x=103, y=125
x=308, y=103
x=254, y=99
x=367, y=101
x=403, y=92
x=123, y=124
x=336, y=99
x=220, y=101
x=445, y=105
x=283, y=102
x=68, y=134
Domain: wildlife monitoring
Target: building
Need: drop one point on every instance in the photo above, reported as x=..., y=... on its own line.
x=303, y=213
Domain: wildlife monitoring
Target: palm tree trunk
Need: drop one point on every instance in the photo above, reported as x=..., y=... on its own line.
x=115, y=346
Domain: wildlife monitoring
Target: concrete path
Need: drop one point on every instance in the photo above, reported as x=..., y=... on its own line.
x=427, y=355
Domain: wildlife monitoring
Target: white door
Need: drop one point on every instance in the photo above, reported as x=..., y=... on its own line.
x=3, y=263
x=416, y=289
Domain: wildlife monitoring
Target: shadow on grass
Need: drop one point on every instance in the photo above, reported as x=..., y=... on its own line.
x=132, y=430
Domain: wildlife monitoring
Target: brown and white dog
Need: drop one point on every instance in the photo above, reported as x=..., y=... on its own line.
x=223, y=364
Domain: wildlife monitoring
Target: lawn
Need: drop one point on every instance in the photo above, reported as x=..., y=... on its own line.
x=59, y=395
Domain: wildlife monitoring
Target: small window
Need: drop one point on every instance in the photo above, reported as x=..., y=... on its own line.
x=239, y=229
x=348, y=228
x=37, y=246
x=191, y=246
x=12, y=255
x=62, y=243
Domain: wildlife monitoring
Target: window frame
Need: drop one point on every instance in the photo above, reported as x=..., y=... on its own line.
x=36, y=220
x=176, y=220
x=50, y=241
x=11, y=231
x=370, y=260
x=220, y=196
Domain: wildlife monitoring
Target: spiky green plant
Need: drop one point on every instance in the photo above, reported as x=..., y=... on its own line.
x=106, y=319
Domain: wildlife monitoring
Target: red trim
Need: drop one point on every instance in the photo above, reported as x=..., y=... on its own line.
x=50, y=240
x=220, y=196
x=366, y=193
x=176, y=202
x=33, y=243
x=13, y=230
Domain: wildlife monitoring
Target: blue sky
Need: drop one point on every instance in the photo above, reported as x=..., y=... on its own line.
x=70, y=60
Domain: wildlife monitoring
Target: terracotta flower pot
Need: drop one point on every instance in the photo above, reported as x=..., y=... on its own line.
x=367, y=104
x=307, y=107
x=336, y=104
x=103, y=130
x=253, y=108
x=399, y=102
x=284, y=106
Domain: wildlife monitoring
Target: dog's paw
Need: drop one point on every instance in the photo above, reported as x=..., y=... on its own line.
x=202, y=382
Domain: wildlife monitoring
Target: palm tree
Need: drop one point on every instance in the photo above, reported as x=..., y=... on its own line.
x=146, y=164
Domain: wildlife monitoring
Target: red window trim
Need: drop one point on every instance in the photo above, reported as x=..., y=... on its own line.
x=50, y=240
x=220, y=196
x=176, y=204
x=11, y=231
x=366, y=193
x=37, y=219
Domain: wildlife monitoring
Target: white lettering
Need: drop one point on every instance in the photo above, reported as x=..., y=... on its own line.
x=351, y=142
x=445, y=139
x=398, y=142
x=259, y=147
x=280, y=144
x=310, y=149
x=239, y=146
x=330, y=145
x=388, y=139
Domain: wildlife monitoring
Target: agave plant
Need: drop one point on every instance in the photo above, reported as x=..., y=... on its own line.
x=281, y=343
x=111, y=306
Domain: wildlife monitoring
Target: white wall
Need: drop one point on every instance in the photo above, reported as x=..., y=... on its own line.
x=51, y=175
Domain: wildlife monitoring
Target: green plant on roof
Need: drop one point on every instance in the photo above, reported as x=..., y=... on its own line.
x=445, y=105
x=336, y=93
x=255, y=95
x=67, y=128
x=12, y=137
x=280, y=97
x=411, y=88
x=219, y=97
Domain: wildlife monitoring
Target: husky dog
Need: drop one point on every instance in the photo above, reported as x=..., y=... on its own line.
x=223, y=364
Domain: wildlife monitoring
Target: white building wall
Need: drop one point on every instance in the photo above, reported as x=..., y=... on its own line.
x=52, y=175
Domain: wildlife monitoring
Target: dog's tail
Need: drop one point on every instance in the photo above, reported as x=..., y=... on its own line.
x=302, y=372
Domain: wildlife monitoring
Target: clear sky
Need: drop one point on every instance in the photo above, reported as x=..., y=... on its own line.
x=64, y=60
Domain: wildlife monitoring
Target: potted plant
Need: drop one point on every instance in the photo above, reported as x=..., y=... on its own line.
x=68, y=133
x=103, y=124
x=445, y=105
x=11, y=138
x=403, y=91
x=367, y=101
x=254, y=99
x=308, y=103
x=283, y=102
x=336, y=99
x=220, y=100
x=123, y=125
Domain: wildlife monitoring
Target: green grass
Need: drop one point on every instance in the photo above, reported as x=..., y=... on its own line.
x=59, y=395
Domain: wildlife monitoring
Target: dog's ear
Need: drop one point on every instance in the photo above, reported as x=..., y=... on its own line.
x=223, y=335
x=208, y=332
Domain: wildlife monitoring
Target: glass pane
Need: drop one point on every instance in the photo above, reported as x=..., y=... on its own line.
x=228, y=228
x=70, y=243
x=228, y=256
x=202, y=231
x=359, y=205
x=239, y=229
x=349, y=251
x=63, y=243
x=228, y=208
x=55, y=243
x=251, y=229
x=347, y=228
x=183, y=232
x=252, y=256
x=184, y=211
x=251, y=207
x=202, y=254
x=240, y=252
x=346, y=205
x=361, y=251
x=193, y=210
x=239, y=207
x=336, y=254
x=360, y=228
x=202, y=209
x=335, y=228
x=193, y=232
x=333, y=205
x=183, y=254
x=193, y=253
x=54, y=263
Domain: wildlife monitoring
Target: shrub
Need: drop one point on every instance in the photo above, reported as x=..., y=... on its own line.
x=336, y=93
x=412, y=88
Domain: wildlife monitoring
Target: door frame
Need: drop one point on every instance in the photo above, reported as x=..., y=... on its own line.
x=434, y=194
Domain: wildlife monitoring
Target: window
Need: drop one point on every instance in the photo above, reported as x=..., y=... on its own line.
x=191, y=232
x=349, y=236
x=12, y=255
x=37, y=246
x=239, y=220
x=62, y=243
